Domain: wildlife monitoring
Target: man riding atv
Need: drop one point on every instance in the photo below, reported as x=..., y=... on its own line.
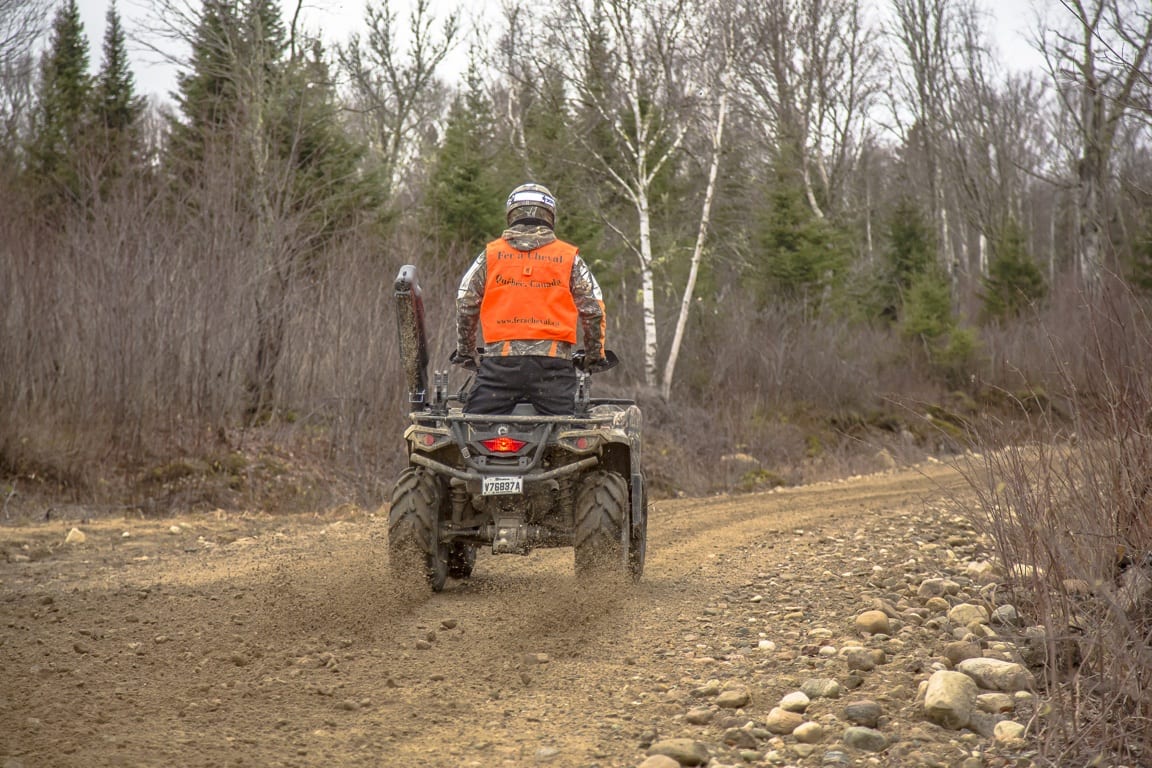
x=527, y=289
x=528, y=458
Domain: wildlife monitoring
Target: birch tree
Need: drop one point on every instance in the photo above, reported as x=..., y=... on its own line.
x=393, y=81
x=719, y=39
x=810, y=85
x=638, y=97
x=1097, y=54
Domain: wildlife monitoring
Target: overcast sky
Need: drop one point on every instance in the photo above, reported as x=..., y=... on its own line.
x=1013, y=21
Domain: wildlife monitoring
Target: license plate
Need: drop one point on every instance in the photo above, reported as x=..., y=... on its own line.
x=501, y=486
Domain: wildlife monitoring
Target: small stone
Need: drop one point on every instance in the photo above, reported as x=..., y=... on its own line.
x=960, y=650
x=873, y=623
x=821, y=688
x=797, y=701
x=733, y=699
x=964, y=614
x=996, y=703
x=766, y=645
x=802, y=749
x=997, y=675
x=782, y=722
x=423, y=645
x=864, y=659
x=1006, y=614
x=683, y=751
x=1008, y=732
x=660, y=761
x=706, y=691
x=809, y=733
x=532, y=659
x=448, y=624
x=547, y=754
x=175, y=530
x=981, y=572
x=867, y=739
x=937, y=605
x=949, y=699
x=739, y=738
x=866, y=713
x=75, y=536
x=699, y=716
x=931, y=588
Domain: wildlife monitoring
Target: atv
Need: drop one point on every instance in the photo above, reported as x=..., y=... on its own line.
x=512, y=482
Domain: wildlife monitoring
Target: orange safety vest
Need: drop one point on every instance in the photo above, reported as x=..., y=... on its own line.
x=528, y=294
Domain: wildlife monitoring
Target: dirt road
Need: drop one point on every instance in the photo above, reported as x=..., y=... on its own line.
x=260, y=641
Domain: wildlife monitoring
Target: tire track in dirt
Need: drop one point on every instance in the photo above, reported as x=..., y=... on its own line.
x=296, y=648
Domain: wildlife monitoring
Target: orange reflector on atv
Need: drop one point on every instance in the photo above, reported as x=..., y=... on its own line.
x=503, y=444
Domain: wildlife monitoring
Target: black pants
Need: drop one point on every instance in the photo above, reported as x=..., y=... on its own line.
x=549, y=383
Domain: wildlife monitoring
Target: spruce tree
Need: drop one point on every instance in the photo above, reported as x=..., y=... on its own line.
x=911, y=253
x=207, y=93
x=330, y=186
x=116, y=107
x=803, y=256
x=466, y=195
x=1014, y=282
x=58, y=135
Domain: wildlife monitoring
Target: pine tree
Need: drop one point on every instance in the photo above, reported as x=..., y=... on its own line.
x=466, y=194
x=1014, y=282
x=116, y=107
x=803, y=257
x=929, y=322
x=909, y=255
x=207, y=94
x=330, y=188
x=61, y=118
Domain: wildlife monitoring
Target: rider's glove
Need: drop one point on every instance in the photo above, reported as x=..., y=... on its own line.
x=592, y=360
x=464, y=360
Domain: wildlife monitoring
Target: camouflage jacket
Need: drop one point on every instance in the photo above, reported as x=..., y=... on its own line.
x=585, y=293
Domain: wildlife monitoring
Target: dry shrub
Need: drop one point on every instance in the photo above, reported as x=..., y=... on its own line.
x=1068, y=511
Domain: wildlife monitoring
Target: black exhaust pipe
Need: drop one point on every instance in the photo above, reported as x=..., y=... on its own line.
x=413, y=339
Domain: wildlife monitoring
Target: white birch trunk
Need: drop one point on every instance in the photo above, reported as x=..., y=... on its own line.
x=647, y=287
x=698, y=250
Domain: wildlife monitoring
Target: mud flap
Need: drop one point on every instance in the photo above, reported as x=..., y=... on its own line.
x=636, y=518
x=413, y=339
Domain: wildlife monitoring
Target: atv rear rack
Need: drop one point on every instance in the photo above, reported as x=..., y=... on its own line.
x=461, y=474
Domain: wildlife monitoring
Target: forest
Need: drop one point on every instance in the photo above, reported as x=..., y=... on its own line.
x=832, y=234
x=834, y=237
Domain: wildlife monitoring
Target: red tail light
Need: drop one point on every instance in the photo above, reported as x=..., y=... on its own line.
x=503, y=444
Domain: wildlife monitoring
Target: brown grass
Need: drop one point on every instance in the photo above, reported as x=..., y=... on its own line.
x=1069, y=511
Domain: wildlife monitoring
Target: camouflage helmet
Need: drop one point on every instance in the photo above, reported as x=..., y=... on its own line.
x=531, y=204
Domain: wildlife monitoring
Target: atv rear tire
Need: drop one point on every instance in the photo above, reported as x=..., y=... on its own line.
x=461, y=559
x=601, y=513
x=414, y=528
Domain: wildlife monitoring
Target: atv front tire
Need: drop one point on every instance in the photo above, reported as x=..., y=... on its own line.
x=601, y=513
x=414, y=528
